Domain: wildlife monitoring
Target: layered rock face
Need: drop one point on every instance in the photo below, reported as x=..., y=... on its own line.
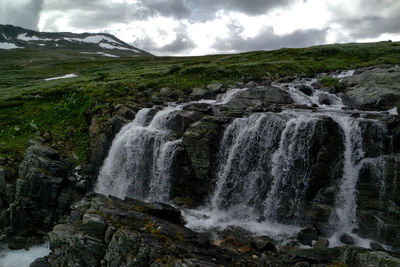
x=106, y=231
x=44, y=191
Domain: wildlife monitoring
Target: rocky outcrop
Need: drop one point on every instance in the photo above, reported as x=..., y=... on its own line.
x=111, y=232
x=45, y=189
x=105, y=231
x=373, y=89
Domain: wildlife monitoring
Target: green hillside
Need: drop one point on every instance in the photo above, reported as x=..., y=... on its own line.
x=63, y=107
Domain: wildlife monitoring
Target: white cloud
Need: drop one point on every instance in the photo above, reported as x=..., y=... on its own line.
x=194, y=27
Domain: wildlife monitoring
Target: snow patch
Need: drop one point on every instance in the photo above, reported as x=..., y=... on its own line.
x=8, y=46
x=91, y=39
x=62, y=77
x=108, y=46
x=23, y=37
x=5, y=37
x=99, y=53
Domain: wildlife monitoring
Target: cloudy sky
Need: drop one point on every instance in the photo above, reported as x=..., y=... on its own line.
x=198, y=27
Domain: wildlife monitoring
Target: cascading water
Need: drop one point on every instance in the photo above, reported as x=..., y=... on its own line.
x=263, y=166
x=139, y=160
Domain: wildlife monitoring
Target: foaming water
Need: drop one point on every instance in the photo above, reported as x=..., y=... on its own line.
x=139, y=161
x=205, y=219
x=22, y=258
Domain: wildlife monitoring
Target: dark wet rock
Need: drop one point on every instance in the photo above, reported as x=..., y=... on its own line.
x=263, y=243
x=321, y=243
x=378, y=200
x=324, y=99
x=307, y=90
x=376, y=246
x=307, y=236
x=193, y=169
x=346, y=239
x=40, y=262
x=93, y=224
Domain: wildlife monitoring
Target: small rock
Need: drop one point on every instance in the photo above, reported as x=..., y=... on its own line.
x=263, y=244
x=244, y=249
x=93, y=224
x=302, y=264
x=165, y=92
x=215, y=87
x=218, y=243
x=376, y=246
x=47, y=136
x=307, y=235
x=40, y=262
x=307, y=90
x=321, y=243
x=346, y=239
x=323, y=99
x=17, y=128
x=250, y=85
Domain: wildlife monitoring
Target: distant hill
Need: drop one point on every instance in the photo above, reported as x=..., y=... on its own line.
x=12, y=37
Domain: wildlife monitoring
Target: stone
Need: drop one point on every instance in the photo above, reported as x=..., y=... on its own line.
x=307, y=90
x=40, y=262
x=263, y=244
x=201, y=93
x=321, y=243
x=215, y=87
x=244, y=249
x=93, y=224
x=324, y=99
x=307, y=236
x=375, y=89
x=165, y=92
x=346, y=239
x=376, y=246
x=250, y=85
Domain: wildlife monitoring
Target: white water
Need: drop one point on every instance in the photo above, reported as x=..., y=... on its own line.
x=140, y=158
x=22, y=258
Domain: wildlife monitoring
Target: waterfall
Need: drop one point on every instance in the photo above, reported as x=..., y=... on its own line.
x=139, y=161
x=290, y=169
x=263, y=166
x=346, y=198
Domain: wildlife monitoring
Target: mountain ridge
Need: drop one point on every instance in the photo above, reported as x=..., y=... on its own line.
x=13, y=37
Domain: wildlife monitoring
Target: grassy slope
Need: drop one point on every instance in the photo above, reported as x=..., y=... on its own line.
x=60, y=106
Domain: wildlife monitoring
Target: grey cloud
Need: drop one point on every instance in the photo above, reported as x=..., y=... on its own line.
x=266, y=39
x=181, y=44
x=24, y=14
x=371, y=27
x=101, y=13
x=373, y=18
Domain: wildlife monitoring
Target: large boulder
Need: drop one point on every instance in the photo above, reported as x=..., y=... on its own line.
x=374, y=89
x=137, y=234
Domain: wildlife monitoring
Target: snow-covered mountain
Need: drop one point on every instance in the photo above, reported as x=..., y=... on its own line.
x=12, y=37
